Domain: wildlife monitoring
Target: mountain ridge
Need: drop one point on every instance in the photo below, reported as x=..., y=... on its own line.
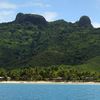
x=30, y=40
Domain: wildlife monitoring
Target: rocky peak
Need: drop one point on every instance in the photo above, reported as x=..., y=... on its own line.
x=30, y=18
x=85, y=22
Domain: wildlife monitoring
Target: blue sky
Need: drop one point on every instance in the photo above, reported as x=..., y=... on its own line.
x=69, y=10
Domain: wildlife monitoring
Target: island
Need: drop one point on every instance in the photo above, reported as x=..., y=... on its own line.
x=33, y=49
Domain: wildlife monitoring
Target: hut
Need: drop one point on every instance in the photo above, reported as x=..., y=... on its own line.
x=2, y=78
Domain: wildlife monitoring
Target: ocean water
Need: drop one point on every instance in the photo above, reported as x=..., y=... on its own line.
x=49, y=92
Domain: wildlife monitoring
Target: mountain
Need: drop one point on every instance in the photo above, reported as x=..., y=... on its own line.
x=30, y=19
x=85, y=22
x=30, y=40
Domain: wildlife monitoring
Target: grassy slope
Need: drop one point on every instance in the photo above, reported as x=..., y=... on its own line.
x=92, y=65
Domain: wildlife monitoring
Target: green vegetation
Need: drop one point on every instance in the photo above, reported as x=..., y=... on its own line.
x=31, y=41
x=51, y=73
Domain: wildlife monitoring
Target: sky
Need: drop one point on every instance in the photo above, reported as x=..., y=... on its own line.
x=69, y=10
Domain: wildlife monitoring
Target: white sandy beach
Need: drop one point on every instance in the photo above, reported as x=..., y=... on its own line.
x=50, y=82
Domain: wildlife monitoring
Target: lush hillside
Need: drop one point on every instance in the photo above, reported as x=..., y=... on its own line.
x=32, y=41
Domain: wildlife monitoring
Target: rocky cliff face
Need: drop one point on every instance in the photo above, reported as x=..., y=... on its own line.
x=85, y=22
x=30, y=19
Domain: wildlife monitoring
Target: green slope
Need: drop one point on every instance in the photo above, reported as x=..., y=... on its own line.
x=92, y=65
x=32, y=41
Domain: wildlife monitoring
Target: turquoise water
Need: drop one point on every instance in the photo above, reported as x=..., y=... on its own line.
x=49, y=92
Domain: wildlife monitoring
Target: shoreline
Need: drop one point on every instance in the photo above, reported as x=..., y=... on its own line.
x=50, y=82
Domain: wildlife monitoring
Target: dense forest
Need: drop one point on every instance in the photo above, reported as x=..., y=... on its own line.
x=31, y=45
x=51, y=73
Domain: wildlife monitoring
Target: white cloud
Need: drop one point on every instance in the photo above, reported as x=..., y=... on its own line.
x=96, y=25
x=6, y=16
x=7, y=5
x=40, y=4
x=8, y=9
x=35, y=4
x=50, y=16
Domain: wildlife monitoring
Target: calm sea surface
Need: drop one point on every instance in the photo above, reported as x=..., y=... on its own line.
x=49, y=92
